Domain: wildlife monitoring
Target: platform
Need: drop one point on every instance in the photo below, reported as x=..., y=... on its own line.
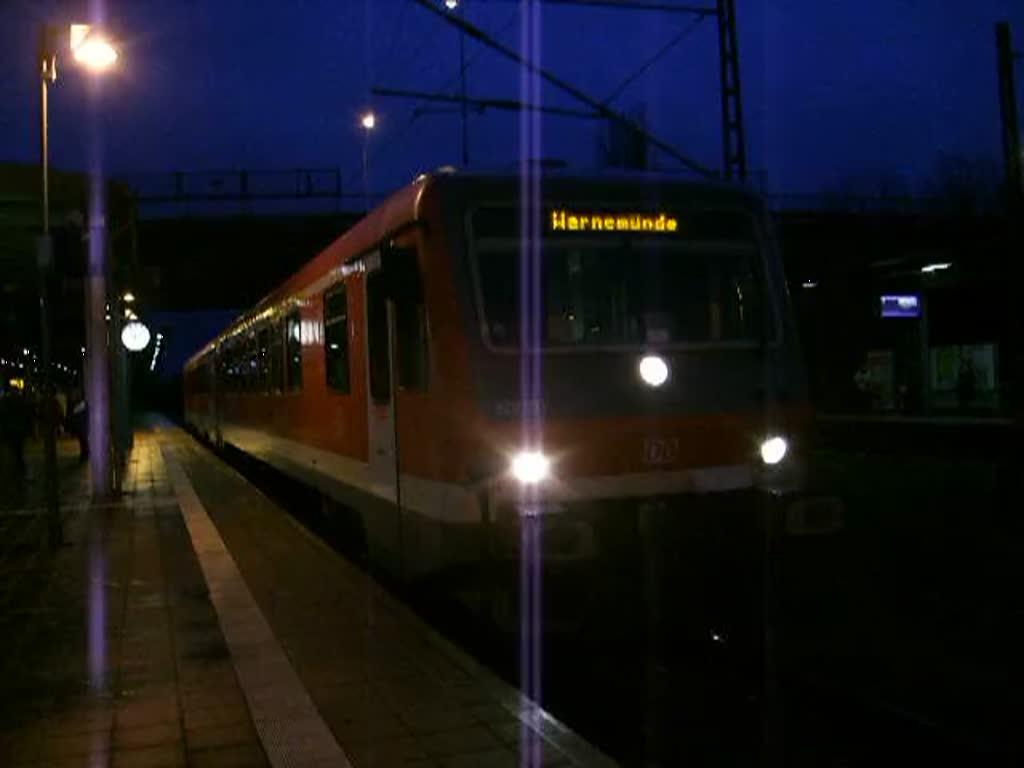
x=954, y=435
x=193, y=622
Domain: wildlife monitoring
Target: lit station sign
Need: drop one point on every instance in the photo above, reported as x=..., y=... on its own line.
x=564, y=220
x=901, y=305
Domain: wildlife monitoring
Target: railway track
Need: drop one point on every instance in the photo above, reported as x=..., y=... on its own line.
x=705, y=704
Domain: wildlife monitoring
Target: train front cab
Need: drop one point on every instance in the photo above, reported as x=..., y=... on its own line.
x=668, y=406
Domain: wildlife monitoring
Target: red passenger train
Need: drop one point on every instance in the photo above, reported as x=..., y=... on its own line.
x=386, y=372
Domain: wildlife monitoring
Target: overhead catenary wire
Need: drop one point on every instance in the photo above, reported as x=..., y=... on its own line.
x=567, y=88
x=658, y=55
x=635, y=5
x=417, y=110
x=425, y=42
x=482, y=104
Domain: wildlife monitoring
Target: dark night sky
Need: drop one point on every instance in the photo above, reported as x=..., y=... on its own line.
x=832, y=88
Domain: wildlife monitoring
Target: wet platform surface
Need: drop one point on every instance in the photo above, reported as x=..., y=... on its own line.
x=192, y=622
x=112, y=653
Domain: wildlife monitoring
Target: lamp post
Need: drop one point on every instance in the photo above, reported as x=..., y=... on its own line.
x=369, y=122
x=90, y=49
x=456, y=5
x=47, y=75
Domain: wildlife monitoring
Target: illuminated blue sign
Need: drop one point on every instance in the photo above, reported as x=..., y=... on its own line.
x=905, y=305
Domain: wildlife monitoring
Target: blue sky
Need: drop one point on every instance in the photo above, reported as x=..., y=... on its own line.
x=831, y=89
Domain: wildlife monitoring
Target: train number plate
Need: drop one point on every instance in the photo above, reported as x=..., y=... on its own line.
x=661, y=450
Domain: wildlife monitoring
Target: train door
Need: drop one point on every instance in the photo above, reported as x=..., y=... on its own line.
x=384, y=527
x=217, y=381
x=210, y=387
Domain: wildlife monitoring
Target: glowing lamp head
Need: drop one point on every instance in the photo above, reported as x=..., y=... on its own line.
x=369, y=121
x=530, y=467
x=135, y=336
x=653, y=370
x=91, y=49
x=773, y=450
x=451, y=5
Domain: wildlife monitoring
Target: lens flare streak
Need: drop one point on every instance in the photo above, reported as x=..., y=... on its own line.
x=530, y=753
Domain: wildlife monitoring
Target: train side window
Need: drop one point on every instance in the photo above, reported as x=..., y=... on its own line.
x=262, y=361
x=377, y=336
x=223, y=369
x=239, y=364
x=336, y=339
x=252, y=364
x=231, y=368
x=275, y=353
x=293, y=351
x=413, y=354
x=225, y=380
x=235, y=370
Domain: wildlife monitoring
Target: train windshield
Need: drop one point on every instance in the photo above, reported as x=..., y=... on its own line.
x=627, y=293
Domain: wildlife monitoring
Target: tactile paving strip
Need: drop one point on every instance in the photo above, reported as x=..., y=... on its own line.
x=290, y=728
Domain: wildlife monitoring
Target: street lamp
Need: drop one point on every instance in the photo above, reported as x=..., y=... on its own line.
x=92, y=50
x=369, y=122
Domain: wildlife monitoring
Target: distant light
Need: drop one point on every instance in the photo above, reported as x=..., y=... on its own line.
x=937, y=267
x=24, y=352
x=369, y=121
x=530, y=467
x=159, y=336
x=653, y=370
x=128, y=297
x=135, y=336
x=810, y=284
x=451, y=5
x=774, y=449
x=334, y=346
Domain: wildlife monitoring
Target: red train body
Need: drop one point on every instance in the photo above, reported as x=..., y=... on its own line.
x=387, y=371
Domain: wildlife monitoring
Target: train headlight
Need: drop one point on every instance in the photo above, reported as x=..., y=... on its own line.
x=653, y=370
x=774, y=449
x=530, y=467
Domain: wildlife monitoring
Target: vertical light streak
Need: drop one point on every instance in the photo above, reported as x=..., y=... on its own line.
x=531, y=308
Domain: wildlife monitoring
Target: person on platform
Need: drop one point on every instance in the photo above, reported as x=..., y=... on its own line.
x=78, y=423
x=15, y=424
x=966, y=382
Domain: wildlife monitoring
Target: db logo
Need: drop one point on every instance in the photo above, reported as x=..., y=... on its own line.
x=661, y=450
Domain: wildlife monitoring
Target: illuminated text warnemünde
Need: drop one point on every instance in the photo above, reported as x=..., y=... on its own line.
x=571, y=221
